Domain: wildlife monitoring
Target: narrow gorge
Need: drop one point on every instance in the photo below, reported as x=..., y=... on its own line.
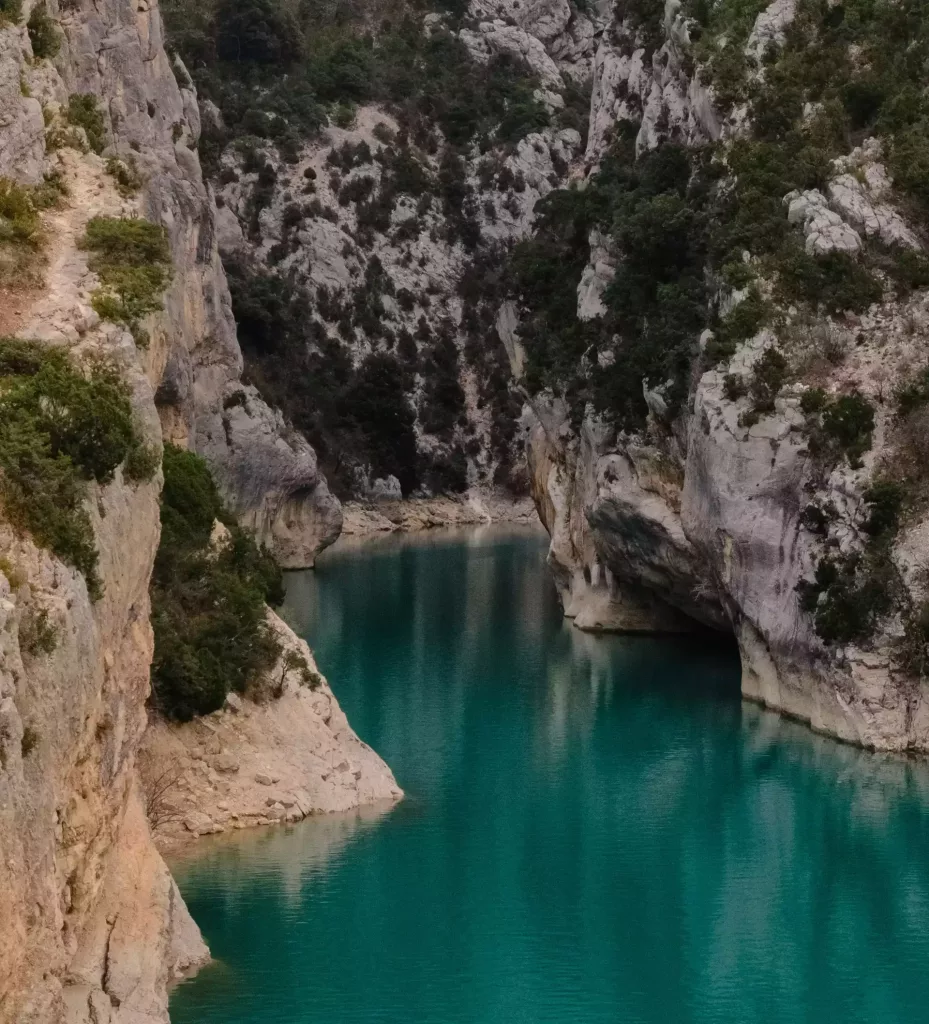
x=655, y=274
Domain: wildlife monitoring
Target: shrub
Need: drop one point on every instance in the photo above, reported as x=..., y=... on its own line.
x=734, y=387
x=848, y=596
x=43, y=35
x=885, y=503
x=36, y=634
x=59, y=428
x=19, y=216
x=837, y=282
x=813, y=400
x=768, y=377
x=142, y=462
x=125, y=175
x=208, y=606
x=29, y=741
x=84, y=112
x=740, y=324
x=344, y=115
x=356, y=190
x=849, y=421
x=914, y=394
x=11, y=11
x=132, y=259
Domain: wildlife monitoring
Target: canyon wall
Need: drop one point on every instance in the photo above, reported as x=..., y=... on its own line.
x=92, y=926
x=721, y=510
x=366, y=256
x=115, y=52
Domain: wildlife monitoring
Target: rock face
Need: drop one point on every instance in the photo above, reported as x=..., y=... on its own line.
x=288, y=756
x=85, y=892
x=116, y=52
x=404, y=274
x=92, y=927
x=702, y=518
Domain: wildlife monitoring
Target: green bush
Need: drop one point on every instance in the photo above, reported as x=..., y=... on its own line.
x=59, y=428
x=740, y=324
x=836, y=282
x=813, y=400
x=142, y=462
x=848, y=596
x=125, y=174
x=43, y=35
x=885, y=503
x=36, y=634
x=11, y=11
x=84, y=112
x=19, y=216
x=768, y=376
x=849, y=421
x=208, y=605
x=914, y=394
x=132, y=259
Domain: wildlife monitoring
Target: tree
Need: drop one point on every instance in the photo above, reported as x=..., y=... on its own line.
x=255, y=30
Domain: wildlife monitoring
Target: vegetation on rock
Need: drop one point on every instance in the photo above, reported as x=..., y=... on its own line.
x=61, y=427
x=84, y=112
x=350, y=413
x=21, y=227
x=279, y=73
x=132, y=259
x=43, y=35
x=208, y=600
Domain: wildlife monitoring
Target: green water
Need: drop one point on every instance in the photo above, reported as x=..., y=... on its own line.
x=596, y=829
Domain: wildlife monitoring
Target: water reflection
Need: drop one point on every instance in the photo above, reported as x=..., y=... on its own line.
x=290, y=855
x=597, y=828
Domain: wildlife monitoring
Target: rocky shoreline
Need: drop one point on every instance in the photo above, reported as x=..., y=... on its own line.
x=413, y=514
x=281, y=758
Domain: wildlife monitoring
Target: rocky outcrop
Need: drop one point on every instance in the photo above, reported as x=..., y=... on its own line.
x=22, y=129
x=651, y=89
x=702, y=519
x=282, y=497
x=286, y=755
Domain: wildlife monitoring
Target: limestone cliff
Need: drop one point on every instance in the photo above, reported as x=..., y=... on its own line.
x=92, y=927
x=84, y=889
x=115, y=52
x=366, y=252
x=726, y=502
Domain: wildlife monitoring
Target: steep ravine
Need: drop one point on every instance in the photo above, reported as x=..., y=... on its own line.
x=708, y=491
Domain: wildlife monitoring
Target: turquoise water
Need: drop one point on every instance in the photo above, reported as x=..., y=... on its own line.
x=596, y=829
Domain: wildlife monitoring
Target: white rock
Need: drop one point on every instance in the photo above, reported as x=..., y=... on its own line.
x=595, y=279
x=855, y=202
x=233, y=703
x=824, y=229
x=770, y=27
x=386, y=489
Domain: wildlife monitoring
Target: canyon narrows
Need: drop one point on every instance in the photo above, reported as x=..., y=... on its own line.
x=655, y=272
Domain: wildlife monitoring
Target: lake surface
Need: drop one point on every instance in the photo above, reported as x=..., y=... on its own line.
x=596, y=829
